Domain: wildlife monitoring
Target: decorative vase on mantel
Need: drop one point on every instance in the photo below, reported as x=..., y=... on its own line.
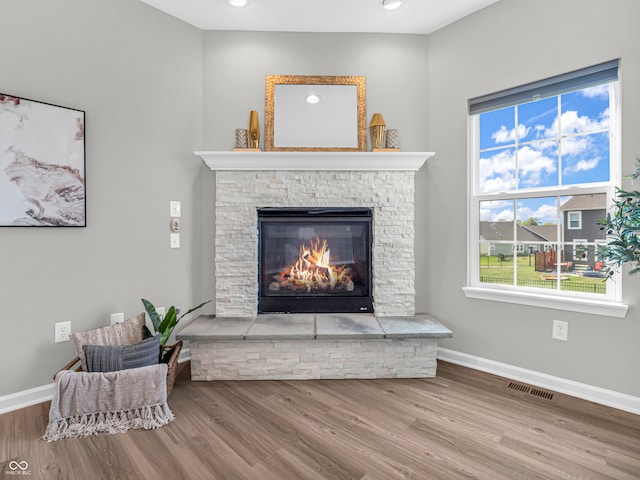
x=254, y=130
x=376, y=129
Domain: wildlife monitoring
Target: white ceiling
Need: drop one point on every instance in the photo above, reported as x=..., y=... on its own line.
x=414, y=16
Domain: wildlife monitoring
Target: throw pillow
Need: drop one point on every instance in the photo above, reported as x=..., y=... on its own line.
x=101, y=358
x=110, y=358
x=125, y=333
x=142, y=354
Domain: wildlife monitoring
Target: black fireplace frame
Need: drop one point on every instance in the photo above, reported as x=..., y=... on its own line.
x=309, y=303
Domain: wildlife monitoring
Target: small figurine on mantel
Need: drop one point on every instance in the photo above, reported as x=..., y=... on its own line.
x=393, y=140
x=376, y=129
x=241, y=139
x=382, y=139
x=254, y=131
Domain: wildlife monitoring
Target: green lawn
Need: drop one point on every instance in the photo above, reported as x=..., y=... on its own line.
x=494, y=271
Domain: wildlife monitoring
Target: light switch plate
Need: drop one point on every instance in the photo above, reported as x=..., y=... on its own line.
x=117, y=318
x=175, y=208
x=175, y=240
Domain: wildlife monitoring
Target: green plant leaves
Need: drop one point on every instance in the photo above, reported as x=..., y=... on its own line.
x=153, y=315
x=164, y=326
x=623, y=229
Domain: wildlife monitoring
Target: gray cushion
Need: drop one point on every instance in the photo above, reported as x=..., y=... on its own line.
x=101, y=358
x=147, y=352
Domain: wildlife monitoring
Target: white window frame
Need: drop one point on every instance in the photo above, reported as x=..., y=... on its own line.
x=608, y=304
x=577, y=242
x=579, y=213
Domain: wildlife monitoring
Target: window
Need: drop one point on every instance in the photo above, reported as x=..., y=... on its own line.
x=580, y=249
x=544, y=162
x=575, y=220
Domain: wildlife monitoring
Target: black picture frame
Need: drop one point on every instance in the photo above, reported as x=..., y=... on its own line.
x=42, y=164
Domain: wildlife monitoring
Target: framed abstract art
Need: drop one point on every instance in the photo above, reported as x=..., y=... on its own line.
x=42, y=164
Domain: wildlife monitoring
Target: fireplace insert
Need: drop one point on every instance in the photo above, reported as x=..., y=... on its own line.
x=314, y=260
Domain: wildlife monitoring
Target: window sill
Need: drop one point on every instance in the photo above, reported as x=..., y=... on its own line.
x=582, y=305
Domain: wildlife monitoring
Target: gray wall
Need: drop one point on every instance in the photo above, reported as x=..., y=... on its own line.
x=154, y=92
x=507, y=44
x=138, y=75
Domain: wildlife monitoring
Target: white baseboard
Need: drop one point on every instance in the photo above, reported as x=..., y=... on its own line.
x=610, y=398
x=26, y=398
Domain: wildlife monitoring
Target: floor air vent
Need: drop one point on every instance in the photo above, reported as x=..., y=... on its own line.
x=536, y=392
x=541, y=394
x=519, y=387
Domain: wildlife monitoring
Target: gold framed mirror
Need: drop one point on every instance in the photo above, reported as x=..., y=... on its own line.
x=315, y=113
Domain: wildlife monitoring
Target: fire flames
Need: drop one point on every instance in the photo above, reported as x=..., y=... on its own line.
x=313, y=271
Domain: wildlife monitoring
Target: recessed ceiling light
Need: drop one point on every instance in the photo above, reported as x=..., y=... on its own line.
x=238, y=3
x=391, y=4
x=312, y=98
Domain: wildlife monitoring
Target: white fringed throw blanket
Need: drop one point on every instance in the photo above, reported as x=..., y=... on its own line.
x=85, y=404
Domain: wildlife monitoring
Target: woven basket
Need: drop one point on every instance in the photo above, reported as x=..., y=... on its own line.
x=172, y=364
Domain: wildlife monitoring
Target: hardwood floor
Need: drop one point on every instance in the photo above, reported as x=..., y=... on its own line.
x=462, y=424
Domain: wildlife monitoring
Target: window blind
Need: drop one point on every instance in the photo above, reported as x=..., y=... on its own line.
x=578, y=79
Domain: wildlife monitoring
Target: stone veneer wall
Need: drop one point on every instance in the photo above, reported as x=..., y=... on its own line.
x=239, y=193
x=313, y=359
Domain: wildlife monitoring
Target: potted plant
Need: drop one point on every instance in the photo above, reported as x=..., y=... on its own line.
x=623, y=227
x=164, y=326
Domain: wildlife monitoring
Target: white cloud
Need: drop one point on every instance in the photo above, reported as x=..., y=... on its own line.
x=502, y=216
x=505, y=136
x=532, y=164
x=544, y=213
x=583, y=165
x=547, y=212
x=499, y=184
x=496, y=173
x=599, y=91
x=574, y=145
x=496, y=210
x=572, y=123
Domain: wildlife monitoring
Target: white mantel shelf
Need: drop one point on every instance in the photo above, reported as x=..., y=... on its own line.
x=319, y=161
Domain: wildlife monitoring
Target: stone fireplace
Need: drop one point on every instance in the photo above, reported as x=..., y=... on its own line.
x=342, y=225
x=353, y=180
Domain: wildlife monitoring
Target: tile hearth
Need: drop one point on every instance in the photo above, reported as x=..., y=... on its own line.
x=309, y=346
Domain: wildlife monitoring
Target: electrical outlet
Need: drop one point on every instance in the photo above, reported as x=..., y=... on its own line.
x=62, y=332
x=560, y=330
x=117, y=318
x=161, y=311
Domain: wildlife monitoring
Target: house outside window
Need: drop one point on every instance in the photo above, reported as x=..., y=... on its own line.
x=575, y=220
x=544, y=161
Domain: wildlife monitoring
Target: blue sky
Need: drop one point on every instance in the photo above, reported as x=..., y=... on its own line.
x=562, y=140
